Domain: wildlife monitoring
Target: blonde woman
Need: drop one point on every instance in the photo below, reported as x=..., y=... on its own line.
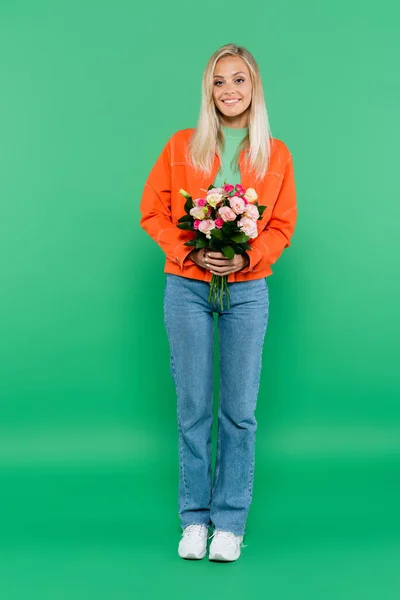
x=232, y=142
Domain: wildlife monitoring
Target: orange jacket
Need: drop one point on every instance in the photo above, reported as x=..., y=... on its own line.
x=161, y=206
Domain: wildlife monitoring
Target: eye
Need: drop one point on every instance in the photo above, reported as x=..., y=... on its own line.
x=238, y=79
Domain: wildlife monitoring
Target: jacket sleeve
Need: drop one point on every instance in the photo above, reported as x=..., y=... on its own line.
x=267, y=247
x=155, y=208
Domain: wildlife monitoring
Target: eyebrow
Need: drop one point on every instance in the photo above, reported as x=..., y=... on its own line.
x=237, y=73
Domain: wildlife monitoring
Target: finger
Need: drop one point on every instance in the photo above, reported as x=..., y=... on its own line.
x=221, y=270
x=219, y=262
x=216, y=255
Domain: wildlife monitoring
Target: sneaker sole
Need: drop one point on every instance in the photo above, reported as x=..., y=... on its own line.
x=192, y=556
x=221, y=558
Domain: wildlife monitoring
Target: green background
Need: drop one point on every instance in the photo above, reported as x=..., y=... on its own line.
x=90, y=93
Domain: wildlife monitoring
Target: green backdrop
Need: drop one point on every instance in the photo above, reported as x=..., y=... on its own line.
x=90, y=92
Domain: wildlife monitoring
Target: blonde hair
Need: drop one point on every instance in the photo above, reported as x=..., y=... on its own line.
x=208, y=136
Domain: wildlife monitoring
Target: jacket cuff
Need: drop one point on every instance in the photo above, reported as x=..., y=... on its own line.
x=255, y=256
x=180, y=253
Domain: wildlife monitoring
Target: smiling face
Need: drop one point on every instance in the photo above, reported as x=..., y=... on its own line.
x=232, y=83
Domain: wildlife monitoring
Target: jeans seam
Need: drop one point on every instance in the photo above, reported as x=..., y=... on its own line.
x=218, y=452
x=251, y=476
x=219, y=442
x=178, y=419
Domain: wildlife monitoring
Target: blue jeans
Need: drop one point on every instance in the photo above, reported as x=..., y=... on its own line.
x=189, y=321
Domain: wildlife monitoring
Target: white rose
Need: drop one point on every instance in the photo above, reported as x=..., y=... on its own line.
x=214, y=199
x=198, y=212
x=251, y=195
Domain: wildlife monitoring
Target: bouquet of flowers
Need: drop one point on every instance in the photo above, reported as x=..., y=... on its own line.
x=224, y=220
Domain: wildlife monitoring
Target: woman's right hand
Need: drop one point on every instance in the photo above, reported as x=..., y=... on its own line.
x=217, y=263
x=198, y=256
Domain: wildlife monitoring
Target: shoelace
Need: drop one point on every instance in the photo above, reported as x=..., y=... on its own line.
x=191, y=530
x=227, y=537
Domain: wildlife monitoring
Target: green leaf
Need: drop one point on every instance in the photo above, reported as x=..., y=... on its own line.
x=190, y=243
x=184, y=218
x=217, y=233
x=185, y=225
x=201, y=242
x=237, y=247
x=228, y=251
x=213, y=243
x=261, y=210
x=240, y=237
x=188, y=205
x=228, y=227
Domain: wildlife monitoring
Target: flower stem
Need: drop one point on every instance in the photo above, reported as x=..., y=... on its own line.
x=219, y=285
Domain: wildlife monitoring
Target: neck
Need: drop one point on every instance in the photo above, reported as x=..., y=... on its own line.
x=242, y=124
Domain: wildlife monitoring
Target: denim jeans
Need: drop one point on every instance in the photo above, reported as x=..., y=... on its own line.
x=189, y=321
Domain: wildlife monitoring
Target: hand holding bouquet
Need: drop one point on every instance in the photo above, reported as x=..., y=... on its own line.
x=224, y=220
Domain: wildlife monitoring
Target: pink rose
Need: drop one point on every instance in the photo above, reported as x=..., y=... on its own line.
x=228, y=187
x=240, y=189
x=206, y=226
x=237, y=204
x=216, y=190
x=196, y=224
x=219, y=222
x=226, y=213
x=248, y=226
x=251, y=211
x=200, y=202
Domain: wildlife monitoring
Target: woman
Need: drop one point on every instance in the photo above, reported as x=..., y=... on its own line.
x=232, y=142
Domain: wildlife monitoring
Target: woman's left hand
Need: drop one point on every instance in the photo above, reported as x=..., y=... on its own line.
x=218, y=264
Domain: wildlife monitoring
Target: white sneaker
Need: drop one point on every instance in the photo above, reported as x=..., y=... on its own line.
x=225, y=546
x=194, y=542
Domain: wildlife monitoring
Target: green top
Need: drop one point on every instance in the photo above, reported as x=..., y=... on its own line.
x=233, y=137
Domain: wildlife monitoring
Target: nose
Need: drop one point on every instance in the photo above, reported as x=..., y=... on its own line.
x=230, y=94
